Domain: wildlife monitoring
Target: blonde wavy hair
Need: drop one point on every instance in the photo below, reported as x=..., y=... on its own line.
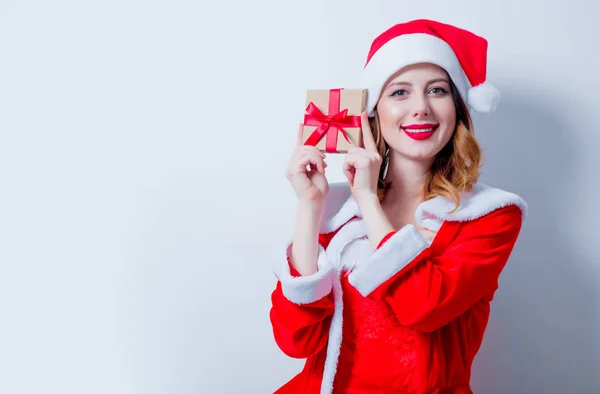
x=456, y=167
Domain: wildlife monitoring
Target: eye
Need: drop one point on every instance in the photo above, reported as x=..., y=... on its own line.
x=399, y=92
x=438, y=90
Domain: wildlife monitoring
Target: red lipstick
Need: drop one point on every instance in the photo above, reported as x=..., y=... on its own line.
x=420, y=132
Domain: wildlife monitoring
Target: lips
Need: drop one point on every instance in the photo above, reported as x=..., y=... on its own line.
x=420, y=132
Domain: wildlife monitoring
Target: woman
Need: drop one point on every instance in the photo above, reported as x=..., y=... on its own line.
x=388, y=280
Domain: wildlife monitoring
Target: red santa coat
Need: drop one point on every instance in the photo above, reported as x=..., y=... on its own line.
x=408, y=317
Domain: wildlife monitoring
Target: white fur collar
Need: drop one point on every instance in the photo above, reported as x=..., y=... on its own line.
x=483, y=199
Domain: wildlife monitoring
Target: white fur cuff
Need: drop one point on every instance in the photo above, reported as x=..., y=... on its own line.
x=395, y=254
x=310, y=288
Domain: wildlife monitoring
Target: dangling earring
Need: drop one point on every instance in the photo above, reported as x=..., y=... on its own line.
x=386, y=160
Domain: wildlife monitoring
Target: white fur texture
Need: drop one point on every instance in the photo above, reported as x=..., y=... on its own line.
x=483, y=98
x=389, y=259
x=335, y=338
x=310, y=288
x=480, y=201
x=410, y=49
x=483, y=199
x=341, y=257
x=345, y=241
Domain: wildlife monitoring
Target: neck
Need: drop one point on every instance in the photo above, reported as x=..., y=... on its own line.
x=408, y=179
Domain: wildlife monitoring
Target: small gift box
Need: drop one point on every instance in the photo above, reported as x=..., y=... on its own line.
x=332, y=118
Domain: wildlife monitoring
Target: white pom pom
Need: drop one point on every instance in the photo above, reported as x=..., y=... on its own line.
x=483, y=98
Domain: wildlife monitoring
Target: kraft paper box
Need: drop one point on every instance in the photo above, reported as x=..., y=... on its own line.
x=331, y=116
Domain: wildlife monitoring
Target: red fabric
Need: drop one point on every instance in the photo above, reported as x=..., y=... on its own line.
x=417, y=332
x=301, y=330
x=470, y=49
x=368, y=327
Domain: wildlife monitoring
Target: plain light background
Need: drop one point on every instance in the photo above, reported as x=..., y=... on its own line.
x=143, y=203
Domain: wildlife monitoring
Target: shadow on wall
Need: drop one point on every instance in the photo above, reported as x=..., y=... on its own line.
x=541, y=336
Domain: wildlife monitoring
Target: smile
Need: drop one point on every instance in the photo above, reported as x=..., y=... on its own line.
x=420, y=131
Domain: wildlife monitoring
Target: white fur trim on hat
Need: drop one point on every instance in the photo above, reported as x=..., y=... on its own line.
x=406, y=50
x=416, y=48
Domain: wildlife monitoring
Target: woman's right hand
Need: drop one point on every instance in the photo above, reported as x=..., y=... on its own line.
x=310, y=185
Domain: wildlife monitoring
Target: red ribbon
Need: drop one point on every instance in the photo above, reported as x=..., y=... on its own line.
x=329, y=124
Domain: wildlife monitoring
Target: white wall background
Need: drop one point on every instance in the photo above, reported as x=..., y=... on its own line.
x=142, y=150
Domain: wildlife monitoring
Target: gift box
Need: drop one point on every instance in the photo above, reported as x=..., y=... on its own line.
x=332, y=119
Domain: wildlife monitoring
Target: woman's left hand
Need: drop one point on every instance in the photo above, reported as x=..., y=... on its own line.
x=362, y=165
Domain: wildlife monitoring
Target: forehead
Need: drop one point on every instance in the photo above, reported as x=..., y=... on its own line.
x=420, y=72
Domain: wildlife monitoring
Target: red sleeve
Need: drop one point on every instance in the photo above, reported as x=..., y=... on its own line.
x=427, y=292
x=301, y=329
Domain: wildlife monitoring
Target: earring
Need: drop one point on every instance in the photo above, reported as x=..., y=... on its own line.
x=386, y=160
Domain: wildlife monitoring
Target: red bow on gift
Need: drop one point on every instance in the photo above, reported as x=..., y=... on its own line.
x=329, y=124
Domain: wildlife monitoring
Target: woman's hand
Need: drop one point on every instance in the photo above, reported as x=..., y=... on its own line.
x=362, y=165
x=309, y=185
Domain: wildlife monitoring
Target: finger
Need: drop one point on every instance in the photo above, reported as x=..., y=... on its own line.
x=355, y=150
x=363, y=153
x=299, y=139
x=300, y=164
x=314, y=154
x=348, y=167
x=304, y=151
x=311, y=148
x=349, y=173
x=359, y=160
x=319, y=165
x=366, y=133
x=353, y=158
x=311, y=158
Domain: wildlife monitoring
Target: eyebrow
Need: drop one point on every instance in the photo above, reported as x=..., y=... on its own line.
x=428, y=83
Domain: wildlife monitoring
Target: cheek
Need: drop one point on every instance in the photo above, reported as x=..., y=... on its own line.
x=391, y=112
x=445, y=113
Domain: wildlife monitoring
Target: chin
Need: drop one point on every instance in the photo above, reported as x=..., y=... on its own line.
x=417, y=150
x=414, y=154
x=419, y=156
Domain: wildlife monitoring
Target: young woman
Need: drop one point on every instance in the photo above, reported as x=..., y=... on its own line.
x=387, y=283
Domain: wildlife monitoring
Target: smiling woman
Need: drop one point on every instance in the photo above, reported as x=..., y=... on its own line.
x=423, y=102
x=425, y=98
x=386, y=286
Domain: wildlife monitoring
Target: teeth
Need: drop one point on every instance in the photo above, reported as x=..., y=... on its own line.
x=419, y=130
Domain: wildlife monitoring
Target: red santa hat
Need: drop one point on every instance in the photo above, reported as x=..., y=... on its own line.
x=461, y=53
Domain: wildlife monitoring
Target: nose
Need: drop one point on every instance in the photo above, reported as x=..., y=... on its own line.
x=421, y=109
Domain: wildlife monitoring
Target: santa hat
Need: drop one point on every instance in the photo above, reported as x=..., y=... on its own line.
x=461, y=53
